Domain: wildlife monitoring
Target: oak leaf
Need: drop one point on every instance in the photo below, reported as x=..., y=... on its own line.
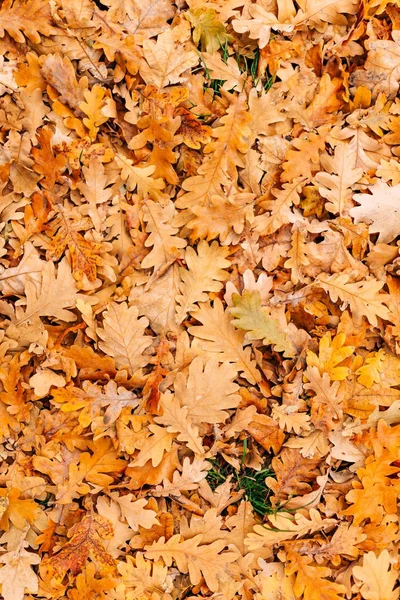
x=65, y=232
x=223, y=217
x=91, y=469
x=382, y=68
x=370, y=372
x=278, y=209
x=224, y=155
x=377, y=577
x=208, y=392
x=13, y=280
x=57, y=293
x=251, y=317
x=122, y=533
x=166, y=245
x=377, y=493
x=60, y=74
x=332, y=352
x=154, y=447
x=16, y=510
x=86, y=540
x=188, y=479
x=134, y=511
x=95, y=191
x=158, y=303
x=310, y=582
x=207, y=29
x=293, y=472
x=315, y=12
x=91, y=400
x=141, y=577
x=140, y=178
x=217, y=336
x=92, y=107
x=380, y=210
x=19, y=18
x=226, y=71
x=266, y=432
x=165, y=62
x=327, y=404
x=345, y=542
x=176, y=419
x=363, y=297
x=260, y=25
x=286, y=526
x=47, y=163
x=205, y=273
x=190, y=556
x=142, y=18
x=335, y=182
x=17, y=575
x=389, y=171
x=86, y=584
x=122, y=336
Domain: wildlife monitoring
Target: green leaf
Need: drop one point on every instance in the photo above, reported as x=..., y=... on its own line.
x=207, y=29
x=259, y=325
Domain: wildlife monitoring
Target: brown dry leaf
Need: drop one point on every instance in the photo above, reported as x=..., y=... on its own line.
x=59, y=72
x=85, y=541
x=19, y=19
x=266, y=432
x=293, y=472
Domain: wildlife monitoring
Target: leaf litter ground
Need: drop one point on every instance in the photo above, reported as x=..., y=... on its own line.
x=200, y=344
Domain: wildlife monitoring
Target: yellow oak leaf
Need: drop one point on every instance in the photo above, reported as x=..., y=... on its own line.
x=95, y=102
x=207, y=29
x=258, y=324
x=332, y=352
x=311, y=581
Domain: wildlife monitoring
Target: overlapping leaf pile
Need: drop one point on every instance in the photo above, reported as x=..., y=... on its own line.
x=200, y=343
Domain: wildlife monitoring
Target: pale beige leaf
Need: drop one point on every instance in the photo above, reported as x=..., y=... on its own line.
x=154, y=447
x=380, y=210
x=190, y=557
x=166, y=61
x=334, y=183
x=166, y=245
x=122, y=533
x=219, y=337
x=158, y=302
x=363, y=297
x=134, y=511
x=377, y=577
x=228, y=71
x=177, y=419
x=14, y=279
x=17, y=576
x=58, y=292
x=208, y=392
x=122, y=336
x=286, y=526
x=95, y=192
x=205, y=273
